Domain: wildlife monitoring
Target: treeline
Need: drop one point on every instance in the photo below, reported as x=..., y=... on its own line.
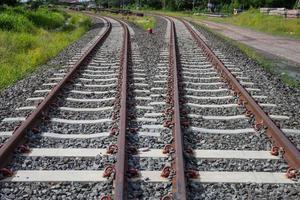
x=178, y=5
x=219, y=5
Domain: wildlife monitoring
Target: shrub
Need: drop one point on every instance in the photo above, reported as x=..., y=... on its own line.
x=77, y=21
x=48, y=20
x=15, y=22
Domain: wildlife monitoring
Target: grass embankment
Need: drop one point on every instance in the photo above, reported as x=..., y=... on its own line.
x=145, y=22
x=255, y=20
x=252, y=19
x=30, y=38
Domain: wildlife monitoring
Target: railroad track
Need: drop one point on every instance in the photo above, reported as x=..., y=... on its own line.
x=169, y=136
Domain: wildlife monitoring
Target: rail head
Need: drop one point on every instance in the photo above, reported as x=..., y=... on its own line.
x=119, y=169
x=179, y=180
x=278, y=138
x=19, y=133
x=120, y=190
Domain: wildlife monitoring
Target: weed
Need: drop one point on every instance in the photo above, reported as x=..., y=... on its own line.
x=145, y=22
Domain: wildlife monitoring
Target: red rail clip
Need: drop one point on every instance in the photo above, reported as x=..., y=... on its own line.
x=189, y=151
x=132, y=150
x=108, y=171
x=35, y=130
x=168, y=148
x=168, y=124
x=166, y=172
x=113, y=131
x=258, y=126
x=167, y=197
x=23, y=148
x=192, y=174
x=105, y=197
x=133, y=173
x=112, y=149
x=16, y=128
x=6, y=172
x=133, y=130
x=249, y=114
x=275, y=151
x=185, y=124
x=292, y=173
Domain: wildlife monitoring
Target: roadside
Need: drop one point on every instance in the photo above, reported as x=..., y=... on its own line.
x=283, y=53
x=279, y=46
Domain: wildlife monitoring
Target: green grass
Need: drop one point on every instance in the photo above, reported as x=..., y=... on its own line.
x=26, y=43
x=184, y=14
x=252, y=19
x=145, y=22
x=255, y=20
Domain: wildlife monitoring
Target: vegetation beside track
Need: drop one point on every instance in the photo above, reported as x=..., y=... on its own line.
x=252, y=19
x=255, y=20
x=267, y=64
x=144, y=22
x=29, y=38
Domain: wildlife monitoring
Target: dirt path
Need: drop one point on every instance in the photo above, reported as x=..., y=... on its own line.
x=286, y=48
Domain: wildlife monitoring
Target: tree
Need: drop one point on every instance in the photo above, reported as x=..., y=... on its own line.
x=280, y=3
x=297, y=5
x=200, y=4
x=9, y=2
x=179, y=4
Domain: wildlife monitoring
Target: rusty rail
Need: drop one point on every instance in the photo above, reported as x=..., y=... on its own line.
x=278, y=138
x=19, y=133
x=179, y=181
x=120, y=191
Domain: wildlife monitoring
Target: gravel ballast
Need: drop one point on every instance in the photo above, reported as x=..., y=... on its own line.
x=286, y=98
x=147, y=83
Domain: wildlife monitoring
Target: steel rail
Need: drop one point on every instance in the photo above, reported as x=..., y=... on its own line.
x=278, y=138
x=120, y=191
x=19, y=133
x=179, y=181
